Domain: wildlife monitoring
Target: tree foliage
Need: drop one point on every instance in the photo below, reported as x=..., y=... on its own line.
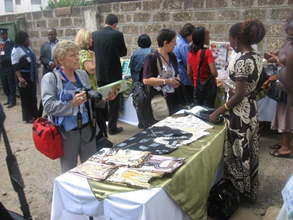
x=65, y=3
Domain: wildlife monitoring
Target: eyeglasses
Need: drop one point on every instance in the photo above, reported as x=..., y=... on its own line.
x=173, y=41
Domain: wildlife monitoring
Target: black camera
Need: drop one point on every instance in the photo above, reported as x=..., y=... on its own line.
x=91, y=94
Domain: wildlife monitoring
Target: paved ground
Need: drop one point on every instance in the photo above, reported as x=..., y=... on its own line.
x=273, y=172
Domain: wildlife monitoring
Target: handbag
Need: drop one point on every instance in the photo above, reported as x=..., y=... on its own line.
x=224, y=200
x=184, y=100
x=208, y=88
x=47, y=138
x=276, y=93
x=160, y=107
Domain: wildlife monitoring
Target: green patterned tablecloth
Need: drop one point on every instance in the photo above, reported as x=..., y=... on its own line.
x=189, y=186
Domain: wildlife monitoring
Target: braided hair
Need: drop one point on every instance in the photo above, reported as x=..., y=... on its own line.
x=249, y=32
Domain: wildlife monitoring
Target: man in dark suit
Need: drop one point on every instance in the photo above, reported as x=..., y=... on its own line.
x=109, y=46
x=6, y=70
x=46, y=57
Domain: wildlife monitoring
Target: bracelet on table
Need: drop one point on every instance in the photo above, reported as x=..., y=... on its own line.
x=226, y=107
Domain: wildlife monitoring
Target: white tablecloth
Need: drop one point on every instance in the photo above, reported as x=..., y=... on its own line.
x=73, y=200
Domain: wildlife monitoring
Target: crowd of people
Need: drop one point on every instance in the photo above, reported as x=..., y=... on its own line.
x=94, y=59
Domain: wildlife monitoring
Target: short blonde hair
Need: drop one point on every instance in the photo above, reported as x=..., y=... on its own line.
x=82, y=38
x=61, y=49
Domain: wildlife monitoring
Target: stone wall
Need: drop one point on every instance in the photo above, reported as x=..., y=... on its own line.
x=149, y=16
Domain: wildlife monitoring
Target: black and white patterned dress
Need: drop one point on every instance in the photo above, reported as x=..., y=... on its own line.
x=241, y=151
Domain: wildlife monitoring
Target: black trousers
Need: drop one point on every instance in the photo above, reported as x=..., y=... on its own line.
x=8, y=83
x=28, y=97
x=113, y=110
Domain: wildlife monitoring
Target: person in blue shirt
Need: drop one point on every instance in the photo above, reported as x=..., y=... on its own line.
x=183, y=39
x=137, y=58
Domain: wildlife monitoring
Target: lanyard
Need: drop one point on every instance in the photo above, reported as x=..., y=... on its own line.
x=165, y=59
x=2, y=46
x=67, y=80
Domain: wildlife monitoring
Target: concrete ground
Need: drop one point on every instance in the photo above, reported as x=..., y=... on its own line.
x=273, y=174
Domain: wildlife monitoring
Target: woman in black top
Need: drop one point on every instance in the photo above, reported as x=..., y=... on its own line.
x=26, y=69
x=166, y=81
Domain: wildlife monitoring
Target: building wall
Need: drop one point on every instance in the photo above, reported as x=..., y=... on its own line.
x=149, y=16
x=22, y=6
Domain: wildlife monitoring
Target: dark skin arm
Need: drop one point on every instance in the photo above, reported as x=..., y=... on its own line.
x=235, y=100
x=189, y=73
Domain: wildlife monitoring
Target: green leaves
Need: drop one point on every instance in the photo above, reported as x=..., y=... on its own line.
x=65, y=3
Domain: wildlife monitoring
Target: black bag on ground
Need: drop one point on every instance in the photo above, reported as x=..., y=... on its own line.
x=224, y=200
x=142, y=104
x=207, y=89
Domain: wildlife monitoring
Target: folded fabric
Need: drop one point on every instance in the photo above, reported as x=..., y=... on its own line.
x=133, y=178
x=145, y=140
x=159, y=163
x=93, y=170
x=121, y=157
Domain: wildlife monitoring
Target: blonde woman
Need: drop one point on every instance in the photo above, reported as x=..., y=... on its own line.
x=87, y=58
x=61, y=102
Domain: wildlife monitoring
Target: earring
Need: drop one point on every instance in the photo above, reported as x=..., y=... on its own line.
x=236, y=47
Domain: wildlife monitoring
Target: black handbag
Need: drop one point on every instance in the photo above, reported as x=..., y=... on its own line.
x=276, y=93
x=224, y=200
x=208, y=88
x=184, y=100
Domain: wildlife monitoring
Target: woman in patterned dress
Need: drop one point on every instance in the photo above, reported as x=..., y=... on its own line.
x=241, y=149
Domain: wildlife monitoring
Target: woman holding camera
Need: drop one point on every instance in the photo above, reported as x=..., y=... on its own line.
x=64, y=100
x=26, y=67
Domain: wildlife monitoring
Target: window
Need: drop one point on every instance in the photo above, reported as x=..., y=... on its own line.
x=8, y=5
x=36, y=2
x=17, y=2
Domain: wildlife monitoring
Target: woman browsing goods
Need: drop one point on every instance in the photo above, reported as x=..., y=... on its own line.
x=200, y=38
x=63, y=102
x=160, y=70
x=241, y=149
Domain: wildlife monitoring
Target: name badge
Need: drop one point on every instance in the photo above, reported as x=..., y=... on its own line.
x=2, y=53
x=28, y=59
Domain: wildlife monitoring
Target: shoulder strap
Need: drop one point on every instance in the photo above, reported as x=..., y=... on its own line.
x=55, y=76
x=93, y=127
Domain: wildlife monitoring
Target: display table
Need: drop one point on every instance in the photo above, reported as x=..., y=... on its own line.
x=179, y=196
